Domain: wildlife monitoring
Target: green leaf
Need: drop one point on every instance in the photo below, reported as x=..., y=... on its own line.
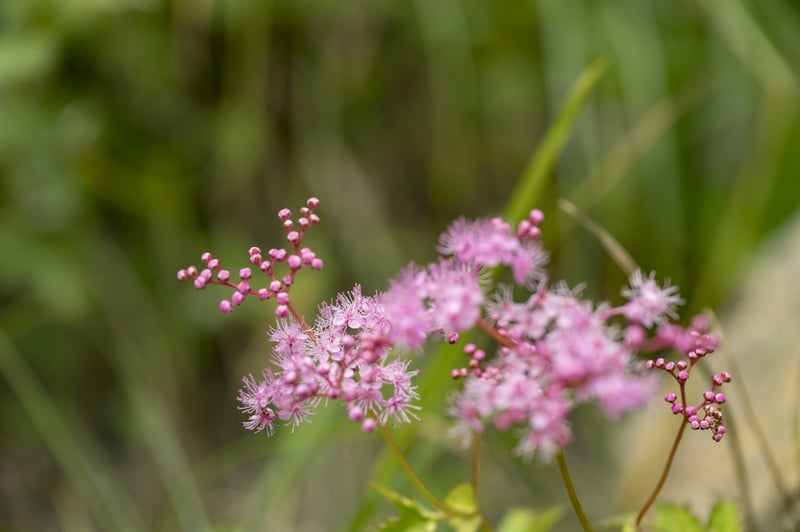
x=529, y=188
x=407, y=506
x=724, y=518
x=462, y=498
x=673, y=518
x=526, y=520
x=407, y=522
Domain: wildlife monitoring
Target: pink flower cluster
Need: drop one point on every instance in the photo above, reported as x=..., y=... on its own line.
x=343, y=356
x=556, y=349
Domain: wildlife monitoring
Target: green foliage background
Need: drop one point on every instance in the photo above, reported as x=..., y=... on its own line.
x=135, y=134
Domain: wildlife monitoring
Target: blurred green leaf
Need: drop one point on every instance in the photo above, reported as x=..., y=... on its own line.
x=529, y=187
x=724, y=518
x=673, y=518
x=526, y=520
x=25, y=57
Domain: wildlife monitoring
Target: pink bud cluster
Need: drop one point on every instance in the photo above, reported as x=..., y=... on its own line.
x=295, y=257
x=696, y=345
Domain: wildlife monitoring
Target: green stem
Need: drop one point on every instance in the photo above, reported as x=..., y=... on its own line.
x=664, y=474
x=412, y=475
x=476, y=448
x=573, y=496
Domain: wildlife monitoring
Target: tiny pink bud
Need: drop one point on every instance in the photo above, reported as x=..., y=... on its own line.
x=275, y=287
x=536, y=216
x=223, y=275
x=469, y=349
x=479, y=355
x=694, y=424
x=523, y=227
x=649, y=364
x=282, y=298
x=691, y=410
x=237, y=298
x=263, y=294
x=213, y=264
x=452, y=338
x=659, y=362
x=716, y=437
x=368, y=425
x=245, y=273
x=293, y=236
x=200, y=283
x=254, y=250
x=314, y=219
x=721, y=429
x=225, y=306
x=708, y=396
x=284, y=214
x=287, y=280
x=207, y=274
x=355, y=413
x=683, y=375
x=670, y=397
x=303, y=222
x=282, y=311
x=704, y=424
x=669, y=366
x=243, y=287
x=182, y=275
x=191, y=271
x=255, y=259
x=294, y=262
x=265, y=266
x=454, y=374
x=316, y=264
x=312, y=202
x=677, y=408
x=719, y=398
x=287, y=224
x=206, y=256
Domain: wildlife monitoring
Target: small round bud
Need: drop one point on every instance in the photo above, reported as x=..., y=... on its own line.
x=255, y=250
x=314, y=219
x=237, y=298
x=206, y=256
x=287, y=280
x=225, y=306
x=469, y=349
x=275, y=287
x=282, y=298
x=294, y=262
x=716, y=437
x=284, y=214
x=368, y=425
x=677, y=408
x=669, y=366
x=213, y=264
x=207, y=274
x=282, y=311
x=355, y=413
x=708, y=396
x=316, y=264
x=659, y=362
x=191, y=271
x=719, y=398
x=536, y=216
x=287, y=224
x=245, y=273
x=199, y=283
x=182, y=275
x=303, y=222
x=263, y=294
x=312, y=202
x=223, y=275
x=256, y=259
x=670, y=397
x=691, y=411
x=683, y=375
x=243, y=287
x=293, y=236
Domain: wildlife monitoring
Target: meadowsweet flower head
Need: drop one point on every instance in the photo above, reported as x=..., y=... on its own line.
x=648, y=303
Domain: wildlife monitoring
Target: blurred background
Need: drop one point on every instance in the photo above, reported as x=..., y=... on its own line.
x=136, y=134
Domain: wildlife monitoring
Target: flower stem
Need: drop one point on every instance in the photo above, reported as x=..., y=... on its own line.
x=664, y=474
x=411, y=474
x=573, y=496
x=476, y=456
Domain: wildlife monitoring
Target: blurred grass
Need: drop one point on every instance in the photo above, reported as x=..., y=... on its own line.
x=136, y=134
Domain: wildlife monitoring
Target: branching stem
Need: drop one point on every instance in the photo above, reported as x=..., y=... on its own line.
x=573, y=496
